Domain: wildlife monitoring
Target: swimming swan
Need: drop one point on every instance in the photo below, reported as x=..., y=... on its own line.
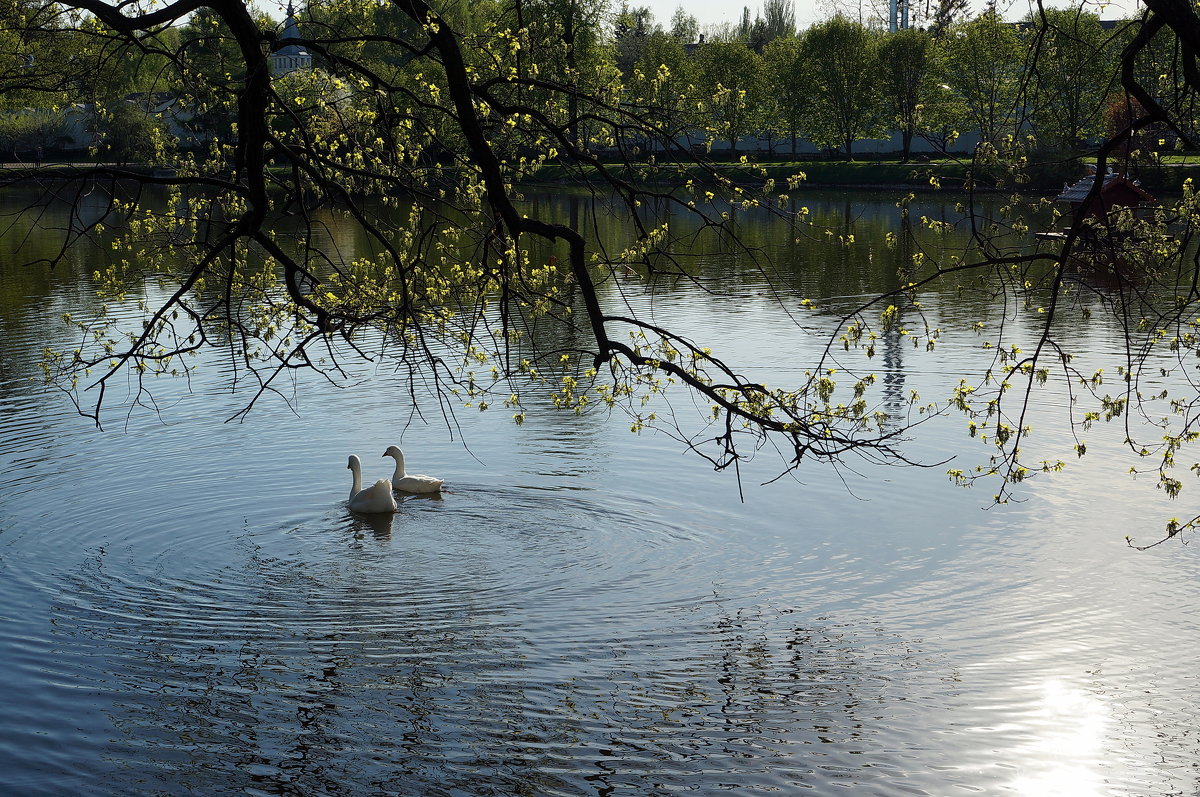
x=376, y=498
x=410, y=483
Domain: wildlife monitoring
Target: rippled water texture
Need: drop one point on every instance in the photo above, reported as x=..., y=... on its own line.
x=187, y=607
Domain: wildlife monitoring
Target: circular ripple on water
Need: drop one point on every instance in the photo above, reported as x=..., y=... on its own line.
x=491, y=549
x=438, y=563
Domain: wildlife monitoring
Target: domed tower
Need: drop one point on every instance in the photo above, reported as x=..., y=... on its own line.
x=290, y=57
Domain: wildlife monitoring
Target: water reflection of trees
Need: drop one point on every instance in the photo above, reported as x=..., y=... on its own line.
x=297, y=686
x=816, y=260
x=34, y=297
x=309, y=682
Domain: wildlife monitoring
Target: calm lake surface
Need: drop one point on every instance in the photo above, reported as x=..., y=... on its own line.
x=186, y=605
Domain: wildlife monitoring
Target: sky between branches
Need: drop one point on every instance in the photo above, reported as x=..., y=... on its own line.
x=712, y=12
x=719, y=12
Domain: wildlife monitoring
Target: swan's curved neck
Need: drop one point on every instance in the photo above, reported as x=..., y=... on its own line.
x=356, y=487
x=399, y=474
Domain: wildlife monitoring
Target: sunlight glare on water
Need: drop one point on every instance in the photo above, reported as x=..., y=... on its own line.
x=1074, y=724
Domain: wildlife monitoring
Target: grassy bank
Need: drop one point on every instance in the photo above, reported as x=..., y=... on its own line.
x=816, y=173
x=1164, y=177
x=951, y=174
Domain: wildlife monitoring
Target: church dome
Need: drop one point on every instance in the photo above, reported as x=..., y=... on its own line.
x=290, y=57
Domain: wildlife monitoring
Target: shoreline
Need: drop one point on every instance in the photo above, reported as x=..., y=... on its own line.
x=866, y=175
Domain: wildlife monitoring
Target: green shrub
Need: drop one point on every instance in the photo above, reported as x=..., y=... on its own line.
x=126, y=133
x=22, y=132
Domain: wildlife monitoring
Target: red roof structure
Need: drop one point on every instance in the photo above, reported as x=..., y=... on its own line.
x=1117, y=191
x=1106, y=251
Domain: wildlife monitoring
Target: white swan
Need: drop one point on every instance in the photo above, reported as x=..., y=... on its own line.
x=376, y=498
x=410, y=483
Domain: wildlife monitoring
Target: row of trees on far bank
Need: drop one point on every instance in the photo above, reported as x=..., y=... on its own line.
x=840, y=81
x=1051, y=77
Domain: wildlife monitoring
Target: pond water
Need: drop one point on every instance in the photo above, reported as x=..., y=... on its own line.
x=186, y=605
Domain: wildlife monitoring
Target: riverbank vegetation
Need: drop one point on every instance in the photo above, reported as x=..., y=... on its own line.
x=444, y=110
x=1050, y=80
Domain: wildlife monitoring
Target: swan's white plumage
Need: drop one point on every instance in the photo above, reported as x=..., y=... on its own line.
x=376, y=498
x=410, y=482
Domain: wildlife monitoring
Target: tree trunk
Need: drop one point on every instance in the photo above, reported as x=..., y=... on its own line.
x=906, y=138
